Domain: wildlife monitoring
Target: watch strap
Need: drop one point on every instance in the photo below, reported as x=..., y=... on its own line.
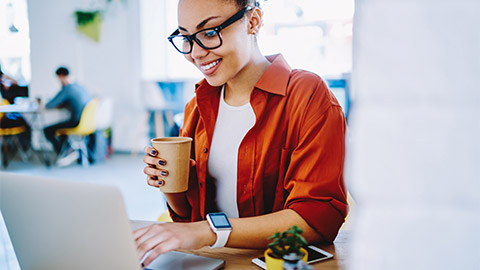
x=222, y=238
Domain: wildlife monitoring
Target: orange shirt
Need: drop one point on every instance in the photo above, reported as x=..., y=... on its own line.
x=291, y=158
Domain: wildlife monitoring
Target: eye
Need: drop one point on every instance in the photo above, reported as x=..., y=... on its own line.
x=210, y=33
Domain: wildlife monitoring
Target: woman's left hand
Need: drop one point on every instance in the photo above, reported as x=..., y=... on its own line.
x=165, y=237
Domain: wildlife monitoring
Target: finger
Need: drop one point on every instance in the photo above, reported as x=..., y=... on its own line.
x=153, y=237
x=155, y=172
x=150, y=160
x=154, y=161
x=149, y=171
x=156, y=183
x=139, y=232
x=192, y=163
x=152, y=181
x=150, y=151
x=146, y=247
x=166, y=246
x=145, y=233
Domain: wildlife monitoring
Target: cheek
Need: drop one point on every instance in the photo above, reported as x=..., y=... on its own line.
x=188, y=57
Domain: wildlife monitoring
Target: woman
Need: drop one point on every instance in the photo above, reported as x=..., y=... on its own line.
x=268, y=141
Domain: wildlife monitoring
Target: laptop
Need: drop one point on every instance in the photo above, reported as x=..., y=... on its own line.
x=56, y=224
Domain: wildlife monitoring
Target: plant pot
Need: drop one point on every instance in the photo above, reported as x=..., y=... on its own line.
x=277, y=264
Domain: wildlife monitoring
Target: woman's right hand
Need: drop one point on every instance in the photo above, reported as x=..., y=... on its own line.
x=156, y=176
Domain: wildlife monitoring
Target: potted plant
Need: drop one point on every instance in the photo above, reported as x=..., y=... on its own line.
x=285, y=244
x=89, y=23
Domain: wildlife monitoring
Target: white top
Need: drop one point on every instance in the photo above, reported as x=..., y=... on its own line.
x=233, y=122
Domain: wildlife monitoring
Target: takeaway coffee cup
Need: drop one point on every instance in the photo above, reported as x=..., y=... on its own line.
x=176, y=151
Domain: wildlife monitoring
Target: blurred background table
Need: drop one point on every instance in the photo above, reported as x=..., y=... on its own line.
x=37, y=118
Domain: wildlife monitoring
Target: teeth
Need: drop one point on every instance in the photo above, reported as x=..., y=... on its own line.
x=209, y=66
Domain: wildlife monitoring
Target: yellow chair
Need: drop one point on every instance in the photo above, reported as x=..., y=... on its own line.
x=7, y=134
x=77, y=135
x=165, y=217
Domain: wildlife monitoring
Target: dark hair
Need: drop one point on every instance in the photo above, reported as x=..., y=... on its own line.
x=62, y=71
x=244, y=3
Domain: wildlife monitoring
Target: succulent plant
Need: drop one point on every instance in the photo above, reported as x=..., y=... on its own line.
x=287, y=242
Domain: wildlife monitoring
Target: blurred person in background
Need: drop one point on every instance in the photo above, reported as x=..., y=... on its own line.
x=8, y=88
x=5, y=83
x=268, y=140
x=72, y=97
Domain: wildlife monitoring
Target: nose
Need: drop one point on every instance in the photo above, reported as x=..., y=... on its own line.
x=197, y=51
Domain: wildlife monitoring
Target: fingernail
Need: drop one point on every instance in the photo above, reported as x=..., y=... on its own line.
x=161, y=182
x=162, y=162
x=163, y=173
x=154, y=152
x=153, y=177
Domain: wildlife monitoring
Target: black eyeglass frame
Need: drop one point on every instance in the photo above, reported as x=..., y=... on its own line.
x=193, y=37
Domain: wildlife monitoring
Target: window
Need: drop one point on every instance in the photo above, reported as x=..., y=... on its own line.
x=15, y=41
x=315, y=35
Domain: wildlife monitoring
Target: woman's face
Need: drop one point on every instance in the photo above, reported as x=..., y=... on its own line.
x=224, y=63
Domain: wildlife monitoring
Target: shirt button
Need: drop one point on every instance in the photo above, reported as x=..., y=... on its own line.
x=205, y=150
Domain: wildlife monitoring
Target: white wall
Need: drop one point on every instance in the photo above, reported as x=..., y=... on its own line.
x=110, y=68
x=414, y=165
x=160, y=60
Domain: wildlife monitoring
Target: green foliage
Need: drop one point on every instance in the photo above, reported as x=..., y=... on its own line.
x=86, y=17
x=289, y=241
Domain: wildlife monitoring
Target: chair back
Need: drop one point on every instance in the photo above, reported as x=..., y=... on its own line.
x=3, y=102
x=9, y=131
x=86, y=126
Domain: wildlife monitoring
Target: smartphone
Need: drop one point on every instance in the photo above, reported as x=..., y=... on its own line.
x=314, y=255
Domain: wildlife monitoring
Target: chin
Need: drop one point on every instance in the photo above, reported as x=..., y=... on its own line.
x=214, y=81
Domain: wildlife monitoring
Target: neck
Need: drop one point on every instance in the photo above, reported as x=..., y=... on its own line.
x=238, y=90
x=66, y=82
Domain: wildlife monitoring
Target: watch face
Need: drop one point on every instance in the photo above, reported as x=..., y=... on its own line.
x=220, y=220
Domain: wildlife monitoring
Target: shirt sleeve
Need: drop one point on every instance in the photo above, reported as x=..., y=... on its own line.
x=175, y=217
x=314, y=178
x=58, y=100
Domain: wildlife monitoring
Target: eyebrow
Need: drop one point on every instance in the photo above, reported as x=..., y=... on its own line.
x=200, y=25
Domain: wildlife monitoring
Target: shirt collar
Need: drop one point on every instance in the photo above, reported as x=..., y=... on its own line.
x=274, y=80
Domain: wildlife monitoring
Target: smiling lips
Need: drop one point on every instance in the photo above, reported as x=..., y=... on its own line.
x=209, y=68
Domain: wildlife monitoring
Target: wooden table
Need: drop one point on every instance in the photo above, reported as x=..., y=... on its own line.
x=236, y=258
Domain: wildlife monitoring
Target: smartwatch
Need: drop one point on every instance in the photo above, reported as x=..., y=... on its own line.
x=221, y=227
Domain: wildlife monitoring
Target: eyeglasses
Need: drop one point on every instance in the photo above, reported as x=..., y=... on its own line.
x=208, y=39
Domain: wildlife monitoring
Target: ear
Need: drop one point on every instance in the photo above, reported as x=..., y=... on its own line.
x=255, y=21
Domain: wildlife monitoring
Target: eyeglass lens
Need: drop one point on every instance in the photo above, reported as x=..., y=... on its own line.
x=208, y=38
